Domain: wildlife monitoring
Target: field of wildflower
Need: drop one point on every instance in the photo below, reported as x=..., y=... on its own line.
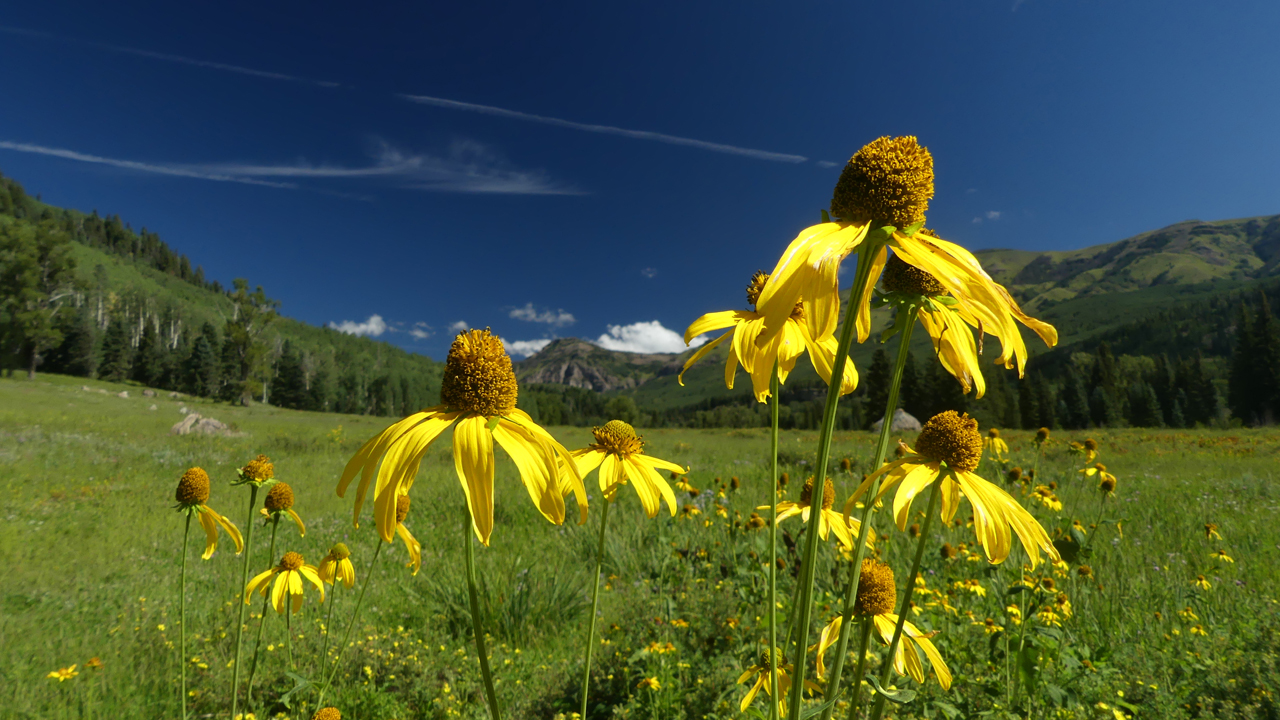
x=1172, y=620
x=952, y=572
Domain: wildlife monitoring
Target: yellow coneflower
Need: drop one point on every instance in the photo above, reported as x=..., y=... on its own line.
x=683, y=485
x=734, y=483
x=1222, y=556
x=1211, y=531
x=257, y=471
x=1013, y=475
x=1198, y=630
x=1188, y=614
x=1084, y=571
x=1202, y=583
x=1042, y=436
x=1106, y=486
x=947, y=451
x=289, y=575
x=337, y=566
x=989, y=626
x=649, y=683
x=1099, y=470
x=280, y=502
x=1063, y=604
x=192, y=495
x=619, y=453
x=478, y=400
x=845, y=528
x=1045, y=495
x=846, y=465
x=1090, y=449
x=94, y=663
x=877, y=596
x=755, y=522
x=758, y=356
x=887, y=184
x=947, y=552
x=327, y=713
x=768, y=664
x=410, y=542
x=63, y=674
x=996, y=445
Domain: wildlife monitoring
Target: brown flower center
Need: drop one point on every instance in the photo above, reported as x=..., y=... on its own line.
x=951, y=438
x=279, y=498
x=477, y=375
x=828, y=494
x=328, y=713
x=889, y=180
x=877, y=593
x=193, y=488
x=901, y=276
x=756, y=286
x=259, y=469
x=339, y=552
x=619, y=438
x=770, y=660
x=291, y=561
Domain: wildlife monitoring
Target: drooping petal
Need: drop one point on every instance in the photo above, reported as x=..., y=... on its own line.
x=568, y=477
x=279, y=590
x=823, y=356
x=403, y=458
x=953, y=342
x=751, y=694
x=259, y=581
x=863, y=303
x=347, y=572
x=414, y=547
x=658, y=464
x=830, y=634
x=587, y=459
x=701, y=353
x=950, y=492
x=366, y=458
x=210, y=533
x=808, y=269
x=640, y=472
x=537, y=467
x=935, y=658
x=999, y=504
x=921, y=477
x=302, y=529
x=715, y=321
x=473, y=460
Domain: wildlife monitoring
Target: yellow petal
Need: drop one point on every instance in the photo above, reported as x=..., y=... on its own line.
x=302, y=529
x=210, y=526
x=701, y=353
x=278, y=592
x=414, y=547
x=366, y=458
x=259, y=581
x=473, y=460
x=537, y=467
x=863, y=303
x=642, y=473
x=823, y=356
x=715, y=321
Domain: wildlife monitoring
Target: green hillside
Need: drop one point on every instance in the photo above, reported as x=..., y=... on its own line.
x=137, y=310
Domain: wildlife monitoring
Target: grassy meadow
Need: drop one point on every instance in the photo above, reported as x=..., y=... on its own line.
x=91, y=546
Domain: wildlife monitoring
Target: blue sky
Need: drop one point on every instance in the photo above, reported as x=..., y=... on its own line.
x=609, y=171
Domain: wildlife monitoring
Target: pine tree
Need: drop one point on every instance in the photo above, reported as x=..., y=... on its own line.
x=318, y=398
x=1161, y=382
x=913, y=394
x=1030, y=414
x=1102, y=410
x=1266, y=363
x=289, y=389
x=945, y=392
x=117, y=352
x=202, y=372
x=877, y=384
x=1046, y=404
x=1075, y=402
x=1144, y=407
x=1241, y=396
x=148, y=364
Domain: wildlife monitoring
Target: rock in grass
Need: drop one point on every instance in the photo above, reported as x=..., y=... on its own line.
x=902, y=422
x=195, y=423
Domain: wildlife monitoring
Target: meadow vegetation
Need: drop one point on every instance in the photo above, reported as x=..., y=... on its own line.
x=1171, y=621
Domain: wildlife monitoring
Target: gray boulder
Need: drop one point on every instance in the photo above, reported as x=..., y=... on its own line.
x=902, y=422
x=198, y=425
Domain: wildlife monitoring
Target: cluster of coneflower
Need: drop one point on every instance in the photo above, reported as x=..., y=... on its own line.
x=877, y=212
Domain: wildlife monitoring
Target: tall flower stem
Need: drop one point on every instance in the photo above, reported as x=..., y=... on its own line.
x=355, y=614
x=595, y=603
x=328, y=624
x=244, y=580
x=182, y=615
x=861, y=284
x=855, y=574
x=905, y=607
x=262, y=622
x=773, y=537
x=476, y=628
x=862, y=664
x=288, y=631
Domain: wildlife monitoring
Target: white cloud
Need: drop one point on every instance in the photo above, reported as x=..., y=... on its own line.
x=468, y=167
x=645, y=337
x=605, y=129
x=373, y=327
x=993, y=214
x=459, y=326
x=649, y=272
x=977, y=221
x=827, y=164
x=525, y=348
x=421, y=331
x=556, y=318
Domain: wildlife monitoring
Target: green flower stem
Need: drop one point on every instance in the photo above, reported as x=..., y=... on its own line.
x=808, y=565
x=887, y=665
x=288, y=630
x=262, y=622
x=862, y=664
x=355, y=614
x=328, y=622
x=595, y=603
x=244, y=580
x=855, y=574
x=773, y=537
x=182, y=615
x=476, y=629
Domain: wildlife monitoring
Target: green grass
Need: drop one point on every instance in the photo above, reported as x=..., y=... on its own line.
x=88, y=532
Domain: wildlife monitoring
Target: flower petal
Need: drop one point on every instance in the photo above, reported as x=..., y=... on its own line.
x=473, y=460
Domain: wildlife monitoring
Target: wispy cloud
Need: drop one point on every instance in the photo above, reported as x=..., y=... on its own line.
x=645, y=337
x=265, y=74
x=525, y=348
x=605, y=129
x=649, y=272
x=827, y=164
x=992, y=215
x=554, y=318
x=468, y=167
x=373, y=327
x=421, y=331
x=161, y=169
x=459, y=326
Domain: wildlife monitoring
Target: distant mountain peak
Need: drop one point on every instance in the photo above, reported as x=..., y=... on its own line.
x=579, y=363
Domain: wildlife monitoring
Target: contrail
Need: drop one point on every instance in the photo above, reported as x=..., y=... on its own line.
x=134, y=165
x=607, y=129
x=173, y=58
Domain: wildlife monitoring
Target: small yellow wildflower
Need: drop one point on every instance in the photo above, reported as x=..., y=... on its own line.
x=63, y=674
x=1222, y=555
